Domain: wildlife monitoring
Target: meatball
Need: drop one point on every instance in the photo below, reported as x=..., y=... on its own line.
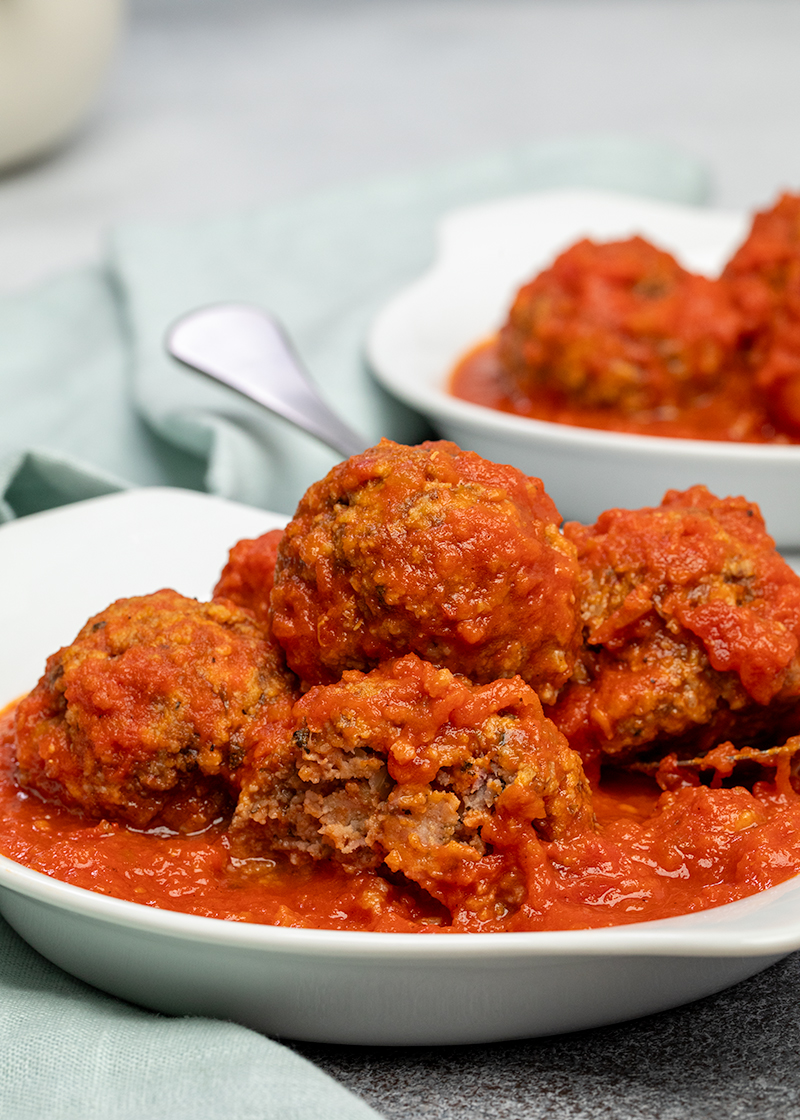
x=142, y=718
x=765, y=270
x=691, y=625
x=409, y=767
x=430, y=550
x=764, y=275
x=248, y=576
x=619, y=326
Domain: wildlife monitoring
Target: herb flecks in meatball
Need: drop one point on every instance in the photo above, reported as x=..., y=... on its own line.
x=450, y=784
x=430, y=550
x=142, y=718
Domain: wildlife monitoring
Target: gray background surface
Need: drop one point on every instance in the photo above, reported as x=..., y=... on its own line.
x=729, y=1057
x=214, y=104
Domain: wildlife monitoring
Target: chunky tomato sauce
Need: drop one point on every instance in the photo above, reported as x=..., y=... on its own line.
x=618, y=335
x=733, y=412
x=656, y=855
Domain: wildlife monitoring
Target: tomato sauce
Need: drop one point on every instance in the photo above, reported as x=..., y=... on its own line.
x=732, y=413
x=655, y=855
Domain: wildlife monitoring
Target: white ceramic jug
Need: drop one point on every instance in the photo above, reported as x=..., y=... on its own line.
x=53, y=56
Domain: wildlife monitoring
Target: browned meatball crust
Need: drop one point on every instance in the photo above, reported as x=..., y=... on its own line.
x=691, y=624
x=430, y=550
x=142, y=717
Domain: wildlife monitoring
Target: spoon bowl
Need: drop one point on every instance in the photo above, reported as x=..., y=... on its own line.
x=245, y=348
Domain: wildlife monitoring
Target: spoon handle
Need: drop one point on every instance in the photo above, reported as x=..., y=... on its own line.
x=245, y=348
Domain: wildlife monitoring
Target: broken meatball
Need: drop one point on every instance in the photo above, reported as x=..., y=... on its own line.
x=691, y=627
x=430, y=550
x=142, y=718
x=444, y=782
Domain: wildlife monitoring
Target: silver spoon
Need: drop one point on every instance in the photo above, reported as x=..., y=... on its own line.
x=245, y=348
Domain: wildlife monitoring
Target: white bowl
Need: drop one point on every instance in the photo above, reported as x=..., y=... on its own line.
x=485, y=254
x=318, y=985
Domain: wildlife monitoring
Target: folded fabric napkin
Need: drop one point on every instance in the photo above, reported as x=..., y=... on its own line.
x=71, y=1053
x=90, y=405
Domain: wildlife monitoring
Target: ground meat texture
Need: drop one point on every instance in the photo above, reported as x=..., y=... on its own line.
x=430, y=550
x=412, y=769
x=691, y=626
x=620, y=327
x=248, y=576
x=142, y=719
x=764, y=275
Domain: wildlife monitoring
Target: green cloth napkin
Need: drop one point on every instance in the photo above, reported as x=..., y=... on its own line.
x=68, y=1052
x=90, y=405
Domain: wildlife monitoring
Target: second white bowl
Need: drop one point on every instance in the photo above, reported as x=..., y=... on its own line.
x=485, y=254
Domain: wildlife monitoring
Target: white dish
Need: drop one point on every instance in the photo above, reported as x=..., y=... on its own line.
x=57, y=568
x=485, y=253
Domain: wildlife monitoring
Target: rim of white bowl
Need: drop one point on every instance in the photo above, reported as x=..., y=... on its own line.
x=692, y=935
x=438, y=404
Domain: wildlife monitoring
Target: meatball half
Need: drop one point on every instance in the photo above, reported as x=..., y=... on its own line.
x=430, y=550
x=691, y=627
x=142, y=719
x=447, y=783
x=619, y=326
